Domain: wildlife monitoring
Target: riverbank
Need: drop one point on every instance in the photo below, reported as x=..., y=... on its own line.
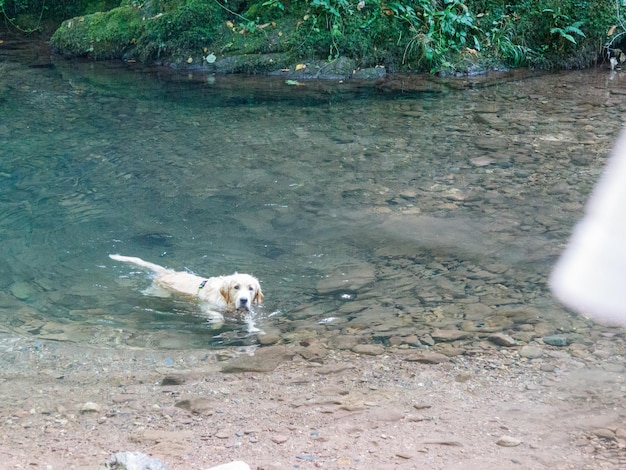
x=70, y=407
x=456, y=36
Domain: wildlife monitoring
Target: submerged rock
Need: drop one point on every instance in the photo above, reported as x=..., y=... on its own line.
x=21, y=290
x=556, y=340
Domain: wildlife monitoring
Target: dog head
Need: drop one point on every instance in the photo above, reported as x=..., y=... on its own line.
x=241, y=291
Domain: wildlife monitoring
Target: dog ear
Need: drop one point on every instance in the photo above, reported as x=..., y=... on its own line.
x=225, y=292
x=258, y=298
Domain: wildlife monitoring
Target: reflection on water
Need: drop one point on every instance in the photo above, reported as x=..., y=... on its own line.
x=380, y=209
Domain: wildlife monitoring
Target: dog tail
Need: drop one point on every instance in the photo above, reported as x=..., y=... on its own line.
x=139, y=262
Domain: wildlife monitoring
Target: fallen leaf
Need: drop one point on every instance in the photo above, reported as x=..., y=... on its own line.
x=300, y=67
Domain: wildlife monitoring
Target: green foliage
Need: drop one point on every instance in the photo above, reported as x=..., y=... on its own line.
x=563, y=26
x=563, y=32
x=330, y=28
x=35, y=15
x=437, y=31
x=434, y=35
x=501, y=43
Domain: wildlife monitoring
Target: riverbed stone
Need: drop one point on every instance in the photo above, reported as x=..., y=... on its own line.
x=544, y=329
x=269, y=336
x=344, y=341
x=521, y=314
x=488, y=325
x=347, y=280
x=264, y=360
x=313, y=352
x=449, y=349
x=556, y=340
x=426, y=357
x=531, y=352
x=502, y=340
x=369, y=349
x=508, y=441
x=477, y=311
x=90, y=407
x=448, y=335
x=21, y=290
x=197, y=405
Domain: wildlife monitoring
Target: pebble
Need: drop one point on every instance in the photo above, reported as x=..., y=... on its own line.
x=531, y=352
x=555, y=340
x=369, y=349
x=508, y=441
x=502, y=340
x=172, y=380
x=427, y=357
x=604, y=433
x=448, y=335
x=264, y=360
x=269, y=338
x=385, y=414
x=90, y=407
x=197, y=405
x=477, y=311
x=279, y=438
x=21, y=290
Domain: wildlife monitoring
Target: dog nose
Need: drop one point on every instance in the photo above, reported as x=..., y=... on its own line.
x=243, y=301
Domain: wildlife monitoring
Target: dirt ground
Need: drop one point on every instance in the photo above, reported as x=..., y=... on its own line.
x=68, y=406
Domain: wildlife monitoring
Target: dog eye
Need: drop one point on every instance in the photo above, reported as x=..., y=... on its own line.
x=236, y=287
x=250, y=288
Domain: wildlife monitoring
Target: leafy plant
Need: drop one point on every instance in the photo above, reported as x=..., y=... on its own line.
x=437, y=33
x=500, y=39
x=17, y=6
x=564, y=31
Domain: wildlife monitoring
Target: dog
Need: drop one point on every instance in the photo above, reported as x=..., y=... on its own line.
x=216, y=295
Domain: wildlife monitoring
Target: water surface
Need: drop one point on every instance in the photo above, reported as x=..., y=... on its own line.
x=397, y=208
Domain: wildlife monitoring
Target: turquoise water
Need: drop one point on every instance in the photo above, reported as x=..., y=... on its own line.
x=340, y=198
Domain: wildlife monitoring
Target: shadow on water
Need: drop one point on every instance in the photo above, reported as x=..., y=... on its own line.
x=386, y=208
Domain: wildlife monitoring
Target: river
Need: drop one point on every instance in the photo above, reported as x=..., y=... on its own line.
x=382, y=210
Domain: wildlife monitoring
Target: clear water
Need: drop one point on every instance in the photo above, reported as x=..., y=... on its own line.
x=430, y=198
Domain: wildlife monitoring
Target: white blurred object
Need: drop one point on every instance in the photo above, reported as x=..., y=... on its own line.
x=590, y=276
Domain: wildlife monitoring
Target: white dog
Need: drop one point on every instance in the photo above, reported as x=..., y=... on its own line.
x=237, y=292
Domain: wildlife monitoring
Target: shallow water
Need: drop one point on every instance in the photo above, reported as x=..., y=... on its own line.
x=353, y=204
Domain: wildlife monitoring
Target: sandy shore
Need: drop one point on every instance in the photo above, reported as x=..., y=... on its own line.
x=66, y=406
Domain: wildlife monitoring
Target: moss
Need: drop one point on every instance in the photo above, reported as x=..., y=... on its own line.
x=148, y=30
x=100, y=35
x=178, y=32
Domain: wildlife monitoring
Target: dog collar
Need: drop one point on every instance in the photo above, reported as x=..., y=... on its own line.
x=202, y=284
